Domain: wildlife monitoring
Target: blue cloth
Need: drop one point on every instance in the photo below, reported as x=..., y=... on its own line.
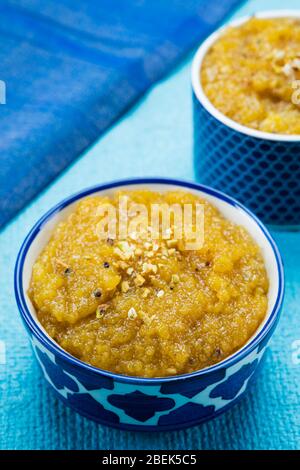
x=71, y=68
x=153, y=139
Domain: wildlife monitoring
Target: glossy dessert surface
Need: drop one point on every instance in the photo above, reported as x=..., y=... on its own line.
x=146, y=306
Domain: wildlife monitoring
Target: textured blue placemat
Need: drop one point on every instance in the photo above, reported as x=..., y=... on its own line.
x=71, y=67
x=155, y=138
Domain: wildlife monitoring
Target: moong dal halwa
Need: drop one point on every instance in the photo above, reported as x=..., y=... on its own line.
x=250, y=74
x=144, y=307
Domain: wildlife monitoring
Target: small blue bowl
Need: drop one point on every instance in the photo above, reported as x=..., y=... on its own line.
x=134, y=403
x=260, y=169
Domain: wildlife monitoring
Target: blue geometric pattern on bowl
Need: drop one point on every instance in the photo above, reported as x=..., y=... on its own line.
x=262, y=174
x=136, y=403
x=149, y=407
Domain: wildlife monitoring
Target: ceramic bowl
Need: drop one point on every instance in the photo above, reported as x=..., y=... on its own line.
x=134, y=403
x=260, y=169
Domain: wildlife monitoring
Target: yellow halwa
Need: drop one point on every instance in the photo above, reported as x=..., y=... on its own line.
x=250, y=74
x=144, y=307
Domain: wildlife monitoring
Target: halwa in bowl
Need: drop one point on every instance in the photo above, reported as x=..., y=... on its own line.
x=146, y=335
x=246, y=88
x=252, y=71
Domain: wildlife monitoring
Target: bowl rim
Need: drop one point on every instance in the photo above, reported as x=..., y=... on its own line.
x=37, y=331
x=206, y=103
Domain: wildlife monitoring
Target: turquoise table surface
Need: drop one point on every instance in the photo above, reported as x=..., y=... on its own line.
x=153, y=139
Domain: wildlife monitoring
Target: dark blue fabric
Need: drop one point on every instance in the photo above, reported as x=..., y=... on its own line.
x=72, y=67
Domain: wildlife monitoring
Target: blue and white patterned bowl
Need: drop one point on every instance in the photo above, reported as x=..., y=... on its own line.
x=148, y=404
x=260, y=169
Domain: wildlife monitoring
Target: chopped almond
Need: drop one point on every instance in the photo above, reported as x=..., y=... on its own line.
x=139, y=280
x=125, y=286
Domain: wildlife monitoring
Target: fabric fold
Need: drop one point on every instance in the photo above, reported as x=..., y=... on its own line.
x=71, y=69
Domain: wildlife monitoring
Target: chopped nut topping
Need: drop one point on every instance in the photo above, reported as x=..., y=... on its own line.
x=200, y=266
x=171, y=371
x=149, y=254
x=125, y=286
x=135, y=309
x=287, y=69
x=122, y=265
x=145, y=293
x=138, y=252
x=120, y=253
x=132, y=313
x=124, y=250
x=296, y=64
x=147, y=245
x=125, y=246
x=139, y=280
x=172, y=243
x=154, y=268
x=148, y=268
x=279, y=54
x=61, y=263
